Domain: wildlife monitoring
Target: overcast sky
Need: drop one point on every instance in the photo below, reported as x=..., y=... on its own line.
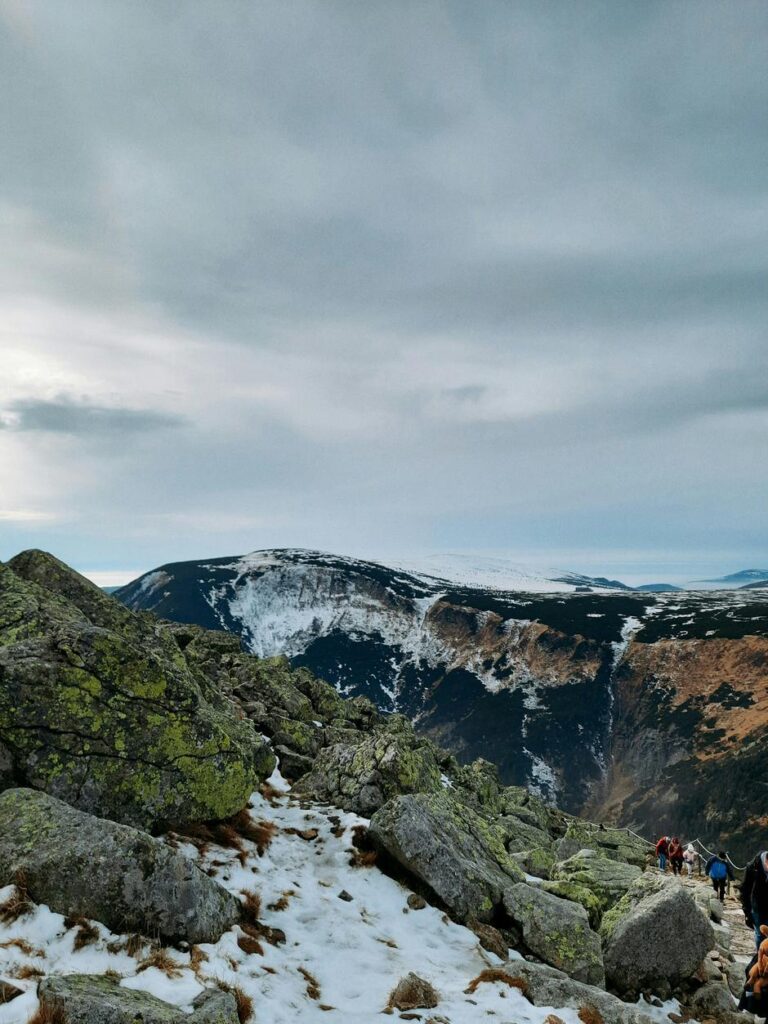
x=385, y=278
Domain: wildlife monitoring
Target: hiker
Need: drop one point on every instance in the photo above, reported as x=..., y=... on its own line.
x=689, y=856
x=662, y=849
x=719, y=870
x=675, y=852
x=754, y=894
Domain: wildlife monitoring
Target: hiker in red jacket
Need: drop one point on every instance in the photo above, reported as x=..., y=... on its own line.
x=675, y=852
x=662, y=849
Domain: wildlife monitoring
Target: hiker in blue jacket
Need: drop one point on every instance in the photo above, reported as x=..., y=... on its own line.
x=720, y=871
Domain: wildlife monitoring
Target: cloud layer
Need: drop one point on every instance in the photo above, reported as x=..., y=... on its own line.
x=384, y=278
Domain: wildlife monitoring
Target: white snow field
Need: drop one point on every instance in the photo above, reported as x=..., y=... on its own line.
x=355, y=950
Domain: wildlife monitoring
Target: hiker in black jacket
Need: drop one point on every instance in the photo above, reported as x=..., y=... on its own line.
x=754, y=894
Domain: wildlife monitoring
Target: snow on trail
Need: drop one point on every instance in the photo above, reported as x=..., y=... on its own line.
x=356, y=950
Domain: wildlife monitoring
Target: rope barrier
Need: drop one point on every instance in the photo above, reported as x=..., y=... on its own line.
x=693, y=842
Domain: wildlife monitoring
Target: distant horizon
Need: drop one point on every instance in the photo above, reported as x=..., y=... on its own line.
x=674, y=570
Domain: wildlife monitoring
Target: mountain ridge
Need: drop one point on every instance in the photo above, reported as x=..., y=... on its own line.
x=561, y=690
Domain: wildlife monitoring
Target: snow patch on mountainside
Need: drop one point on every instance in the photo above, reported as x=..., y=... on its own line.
x=498, y=574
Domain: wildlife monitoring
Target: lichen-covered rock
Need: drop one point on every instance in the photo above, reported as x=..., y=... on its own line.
x=98, y=706
x=81, y=865
x=538, y=862
x=641, y=936
x=94, y=999
x=557, y=931
x=577, y=894
x=456, y=855
x=606, y=878
x=613, y=843
x=361, y=778
x=546, y=986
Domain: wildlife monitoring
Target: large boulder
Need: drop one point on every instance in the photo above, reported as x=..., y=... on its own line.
x=85, y=866
x=608, y=880
x=454, y=855
x=362, y=777
x=99, y=707
x=95, y=999
x=557, y=931
x=547, y=987
x=613, y=843
x=655, y=935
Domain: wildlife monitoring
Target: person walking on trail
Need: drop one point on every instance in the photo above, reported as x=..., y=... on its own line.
x=675, y=852
x=662, y=850
x=720, y=871
x=753, y=892
x=689, y=857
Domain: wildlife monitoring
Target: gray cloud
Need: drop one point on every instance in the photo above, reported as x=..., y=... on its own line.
x=412, y=275
x=65, y=415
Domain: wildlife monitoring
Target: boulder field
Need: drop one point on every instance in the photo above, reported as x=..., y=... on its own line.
x=116, y=725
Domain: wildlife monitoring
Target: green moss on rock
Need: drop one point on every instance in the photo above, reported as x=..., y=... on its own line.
x=112, y=718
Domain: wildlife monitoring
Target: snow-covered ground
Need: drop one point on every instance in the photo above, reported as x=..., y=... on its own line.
x=355, y=950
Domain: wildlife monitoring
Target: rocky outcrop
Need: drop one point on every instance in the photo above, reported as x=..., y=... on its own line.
x=99, y=707
x=91, y=999
x=456, y=855
x=362, y=777
x=557, y=931
x=605, y=880
x=614, y=843
x=80, y=865
x=546, y=986
x=642, y=947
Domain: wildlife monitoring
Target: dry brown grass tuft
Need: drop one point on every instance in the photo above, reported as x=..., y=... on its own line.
x=197, y=956
x=492, y=974
x=313, y=985
x=251, y=906
x=18, y=902
x=87, y=932
x=283, y=901
x=49, y=1013
x=244, y=1004
x=23, y=946
x=590, y=1015
x=552, y=1018
x=135, y=944
x=27, y=971
x=269, y=793
x=244, y=1001
x=363, y=858
x=112, y=974
x=250, y=945
x=160, y=959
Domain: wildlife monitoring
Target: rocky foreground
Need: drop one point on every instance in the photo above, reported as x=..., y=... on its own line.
x=156, y=866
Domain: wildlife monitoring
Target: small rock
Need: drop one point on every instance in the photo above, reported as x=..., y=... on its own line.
x=491, y=939
x=713, y=998
x=416, y=902
x=413, y=993
x=344, y=895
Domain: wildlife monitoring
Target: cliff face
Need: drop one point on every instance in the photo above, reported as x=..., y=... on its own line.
x=687, y=749
x=642, y=708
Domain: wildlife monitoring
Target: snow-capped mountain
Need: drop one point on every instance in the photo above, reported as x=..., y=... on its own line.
x=556, y=687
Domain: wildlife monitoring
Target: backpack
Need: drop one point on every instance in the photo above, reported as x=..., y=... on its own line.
x=719, y=870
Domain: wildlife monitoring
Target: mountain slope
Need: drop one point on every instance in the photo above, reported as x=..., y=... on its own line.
x=602, y=700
